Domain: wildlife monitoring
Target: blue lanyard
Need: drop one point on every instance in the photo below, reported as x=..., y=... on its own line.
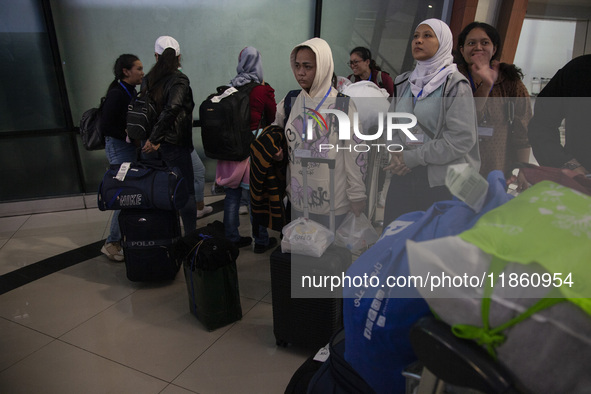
x=414, y=102
x=315, y=109
x=123, y=86
x=473, y=85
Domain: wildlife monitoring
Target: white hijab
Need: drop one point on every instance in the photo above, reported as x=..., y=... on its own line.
x=429, y=74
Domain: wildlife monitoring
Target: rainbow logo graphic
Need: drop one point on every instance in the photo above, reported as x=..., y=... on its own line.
x=316, y=116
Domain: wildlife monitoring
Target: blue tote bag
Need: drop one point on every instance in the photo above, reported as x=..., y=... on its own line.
x=377, y=315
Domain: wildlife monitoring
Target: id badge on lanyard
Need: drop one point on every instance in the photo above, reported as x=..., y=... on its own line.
x=485, y=131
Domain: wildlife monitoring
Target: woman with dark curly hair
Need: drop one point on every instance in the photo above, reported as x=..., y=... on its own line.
x=502, y=100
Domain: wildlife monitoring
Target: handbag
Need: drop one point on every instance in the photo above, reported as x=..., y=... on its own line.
x=142, y=185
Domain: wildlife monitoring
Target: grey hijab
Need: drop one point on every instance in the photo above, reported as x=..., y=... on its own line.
x=249, y=69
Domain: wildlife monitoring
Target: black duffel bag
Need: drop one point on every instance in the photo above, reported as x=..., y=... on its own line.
x=209, y=264
x=142, y=185
x=336, y=375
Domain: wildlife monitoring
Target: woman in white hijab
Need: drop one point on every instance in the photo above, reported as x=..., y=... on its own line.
x=446, y=133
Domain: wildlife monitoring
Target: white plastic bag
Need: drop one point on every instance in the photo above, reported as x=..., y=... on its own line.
x=356, y=233
x=306, y=237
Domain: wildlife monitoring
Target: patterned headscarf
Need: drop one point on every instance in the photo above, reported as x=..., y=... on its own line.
x=249, y=69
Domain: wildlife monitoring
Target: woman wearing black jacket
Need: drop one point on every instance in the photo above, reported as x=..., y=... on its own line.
x=129, y=71
x=171, y=136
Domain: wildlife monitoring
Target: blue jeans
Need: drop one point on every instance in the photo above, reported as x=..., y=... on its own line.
x=199, y=174
x=245, y=200
x=232, y=218
x=118, y=151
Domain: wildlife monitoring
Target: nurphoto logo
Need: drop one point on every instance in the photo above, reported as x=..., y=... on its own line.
x=345, y=126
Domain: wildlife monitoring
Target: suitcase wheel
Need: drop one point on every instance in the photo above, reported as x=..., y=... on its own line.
x=281, y=343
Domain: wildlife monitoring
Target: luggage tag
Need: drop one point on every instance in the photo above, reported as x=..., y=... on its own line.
x=227, y=92
x=123, y=171
x=322, y=354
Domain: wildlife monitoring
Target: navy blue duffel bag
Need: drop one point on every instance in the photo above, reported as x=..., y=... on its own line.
x=142, y=185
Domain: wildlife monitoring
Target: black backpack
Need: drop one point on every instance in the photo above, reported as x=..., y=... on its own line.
x=90, y=128
x=225, y=123
x=141, y=116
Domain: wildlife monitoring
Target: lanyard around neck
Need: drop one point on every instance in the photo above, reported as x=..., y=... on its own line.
x=124, y=87
x=414, y=102
x=315, y=109
x=321, y=101
x=473, y=85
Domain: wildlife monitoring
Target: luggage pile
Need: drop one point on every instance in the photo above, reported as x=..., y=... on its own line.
x=148, y=193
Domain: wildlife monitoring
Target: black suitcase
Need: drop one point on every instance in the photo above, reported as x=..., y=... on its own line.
x=308, y=322
x=209, y=264
x=148, y=238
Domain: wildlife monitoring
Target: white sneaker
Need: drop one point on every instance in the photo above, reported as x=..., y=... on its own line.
x=205, y=211
x=113, y=251
x=243, y=210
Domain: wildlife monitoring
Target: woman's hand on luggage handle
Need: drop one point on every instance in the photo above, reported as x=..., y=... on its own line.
x=149, y=147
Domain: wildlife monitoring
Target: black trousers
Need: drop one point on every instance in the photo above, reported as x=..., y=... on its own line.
x=410, y=193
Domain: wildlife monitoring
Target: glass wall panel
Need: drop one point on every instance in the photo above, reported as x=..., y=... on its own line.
x=29, y=98
x=384, y=26
x=544, y=47
x=93, y=33
x=39, y=166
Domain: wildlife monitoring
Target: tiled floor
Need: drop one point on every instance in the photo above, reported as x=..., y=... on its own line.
x=87, y=329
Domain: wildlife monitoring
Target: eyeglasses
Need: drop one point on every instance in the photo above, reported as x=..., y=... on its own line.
x=354, y=63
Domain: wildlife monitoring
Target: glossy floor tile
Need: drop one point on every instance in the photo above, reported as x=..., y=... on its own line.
x=87, y=328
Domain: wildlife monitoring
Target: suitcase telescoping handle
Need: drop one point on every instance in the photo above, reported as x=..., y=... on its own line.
x=331, y=166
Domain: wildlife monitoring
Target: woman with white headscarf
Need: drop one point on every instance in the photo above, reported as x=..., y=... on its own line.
x=446, y=132
x=234, y=175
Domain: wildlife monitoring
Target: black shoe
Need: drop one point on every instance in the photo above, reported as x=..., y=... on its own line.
x=263, y=248
x=244, y=241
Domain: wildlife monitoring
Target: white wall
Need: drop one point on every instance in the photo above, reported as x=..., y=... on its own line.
x=544, y=47
x=93, y=33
